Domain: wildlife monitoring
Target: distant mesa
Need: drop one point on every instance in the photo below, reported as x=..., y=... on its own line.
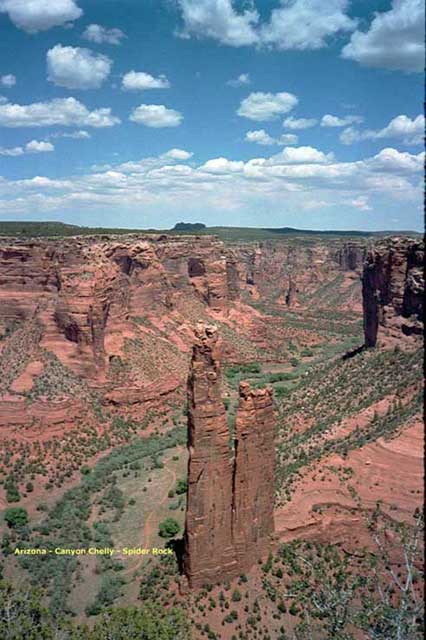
x=189, y=226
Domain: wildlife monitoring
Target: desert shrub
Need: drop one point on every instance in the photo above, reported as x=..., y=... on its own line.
x=168, y=528
x=16, y=517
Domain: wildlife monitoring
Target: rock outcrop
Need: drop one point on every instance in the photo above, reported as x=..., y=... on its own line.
x=209, y=552
x=229, y=518
x=254, y=475
x=393, y=289
x=351, y=256
x=291, y=295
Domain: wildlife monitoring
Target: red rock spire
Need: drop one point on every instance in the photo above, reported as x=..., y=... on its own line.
x=229, y=516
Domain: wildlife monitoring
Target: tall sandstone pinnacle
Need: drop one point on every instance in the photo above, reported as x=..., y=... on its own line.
x=209, y=553
x=254, y=474
x=229, y=517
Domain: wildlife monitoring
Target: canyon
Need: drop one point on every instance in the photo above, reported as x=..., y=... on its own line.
x=305, y=380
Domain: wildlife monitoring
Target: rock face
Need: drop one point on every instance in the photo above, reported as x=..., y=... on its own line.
x=351, y=256
x=254, y=475
x=230, y=500
x=393, y=289
x=209, y=552
x=291, y=295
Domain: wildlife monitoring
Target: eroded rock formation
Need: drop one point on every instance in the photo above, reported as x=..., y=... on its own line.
x=229, y=518
x=393, y=289
x=254, y=475
x=209, y=552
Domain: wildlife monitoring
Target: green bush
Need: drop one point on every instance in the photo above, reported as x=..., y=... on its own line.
x=181, y=486
x=16, y=517
x=168, y=528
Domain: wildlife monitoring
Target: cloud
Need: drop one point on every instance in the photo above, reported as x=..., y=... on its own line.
x=242, y=80
x=156, y=115
x=222, y=166
x=361, y=203
x=15, y=151
x=409, y=131
x=299, y=123
x=39, y=147
x=266, y=106
x=35, y=146
x=297, y=25
x=394, y=40
x=177, y=154
x=261, y=137
x=9, y=80
x=334, y=121
x=306, y=24
x=101, y=35
x=75, y=135
x=66, y=112
x=77, y=68
x=140, y=81
x=392, y=160
x=306, y=176
x=39, y=15
x=218, y=20
x=301, y=155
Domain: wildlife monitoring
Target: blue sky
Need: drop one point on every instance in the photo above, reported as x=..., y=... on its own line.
x=138, y=113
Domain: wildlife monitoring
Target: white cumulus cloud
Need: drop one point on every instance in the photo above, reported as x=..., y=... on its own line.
x=296, y=24
x=36, y=146
x=266, y=106
x=102, y=35
x=217, y=19
x=222, y=166
x=261, y=137
x=394, y=40
x=177, y=154
x=66, y=112
x=39, y=15
x=156, y=115
x=140, y=81
x=77, y=68
x=8, y=80
x=306, y=24
x=301, y=155
x=299, y=123
x=334, y=121
x=409, y=131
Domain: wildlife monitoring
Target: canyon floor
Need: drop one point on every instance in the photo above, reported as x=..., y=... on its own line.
x=95, y=341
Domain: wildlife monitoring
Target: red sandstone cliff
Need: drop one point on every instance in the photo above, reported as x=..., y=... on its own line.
x=393, y=289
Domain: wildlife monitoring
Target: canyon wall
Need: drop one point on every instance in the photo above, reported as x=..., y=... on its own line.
x=393, y=290
x=107, y=320
x=229, y=518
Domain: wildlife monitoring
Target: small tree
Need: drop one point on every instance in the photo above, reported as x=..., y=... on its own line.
x=16, y=517
x=168, y=528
